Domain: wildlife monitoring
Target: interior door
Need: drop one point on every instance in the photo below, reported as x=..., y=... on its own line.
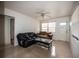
x=9, y=30
x=62, y=30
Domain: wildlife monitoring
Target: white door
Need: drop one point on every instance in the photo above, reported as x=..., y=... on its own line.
x=62, y=30
x=7, y=30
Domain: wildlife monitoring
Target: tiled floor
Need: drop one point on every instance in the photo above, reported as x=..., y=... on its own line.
x=60, y=49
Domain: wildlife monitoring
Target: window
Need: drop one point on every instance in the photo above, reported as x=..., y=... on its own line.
x=44, y=27
x=51, y=27
x=48, y=27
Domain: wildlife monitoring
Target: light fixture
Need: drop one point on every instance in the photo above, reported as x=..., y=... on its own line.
x=62, y=24
x=43, y=14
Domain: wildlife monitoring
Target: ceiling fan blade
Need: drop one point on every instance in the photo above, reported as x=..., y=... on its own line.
x=49, y=16
x=43, y=11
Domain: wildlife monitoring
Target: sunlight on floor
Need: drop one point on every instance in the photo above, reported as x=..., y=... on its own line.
x=53, y=51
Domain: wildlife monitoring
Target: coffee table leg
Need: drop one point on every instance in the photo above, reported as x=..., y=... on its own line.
x=49, y=46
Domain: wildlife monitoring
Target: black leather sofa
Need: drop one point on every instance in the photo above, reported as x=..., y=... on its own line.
x=26, y=39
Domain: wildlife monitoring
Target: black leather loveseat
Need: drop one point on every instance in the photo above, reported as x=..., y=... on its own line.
x=26, y=39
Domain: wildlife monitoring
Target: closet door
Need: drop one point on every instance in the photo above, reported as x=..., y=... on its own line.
x=2, y=42
x=2, y=29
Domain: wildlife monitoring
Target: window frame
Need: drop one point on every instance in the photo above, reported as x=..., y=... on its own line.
x=48, y=26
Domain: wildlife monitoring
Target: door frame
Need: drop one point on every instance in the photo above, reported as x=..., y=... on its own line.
x=12, y=18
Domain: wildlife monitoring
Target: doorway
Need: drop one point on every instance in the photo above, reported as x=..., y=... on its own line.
x=9, y=30
x=12, y=31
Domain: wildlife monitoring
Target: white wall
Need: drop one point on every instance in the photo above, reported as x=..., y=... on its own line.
x=23, y=23
x=75, y=31
x=61, y=31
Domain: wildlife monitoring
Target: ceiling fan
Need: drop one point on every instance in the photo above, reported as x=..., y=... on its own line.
x=44, y=14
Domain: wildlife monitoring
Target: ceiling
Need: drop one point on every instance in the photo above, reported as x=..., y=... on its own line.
x=32, y=8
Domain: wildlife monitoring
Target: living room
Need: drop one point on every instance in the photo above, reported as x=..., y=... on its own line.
x=49, y=23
